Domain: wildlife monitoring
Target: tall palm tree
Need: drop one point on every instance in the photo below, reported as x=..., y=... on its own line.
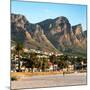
x=44, y=64
x=53, y=60
x=33, y=58
x=62, y=63
x=19, y=50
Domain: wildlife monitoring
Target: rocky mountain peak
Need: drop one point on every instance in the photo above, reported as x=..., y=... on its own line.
x=77, y=29
x=61, y=19
x=17, y=17
x=61, y=25
x=20, y=22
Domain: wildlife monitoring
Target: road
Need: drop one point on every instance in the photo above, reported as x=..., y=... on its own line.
x=49, y=81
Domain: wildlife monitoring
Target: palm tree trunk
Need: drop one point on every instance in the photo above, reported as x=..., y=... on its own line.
x=19, y=61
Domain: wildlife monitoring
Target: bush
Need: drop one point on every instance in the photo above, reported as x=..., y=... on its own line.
x=13, y=78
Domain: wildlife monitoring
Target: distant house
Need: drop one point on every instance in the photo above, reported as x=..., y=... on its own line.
x=52, y=67
x=70, y=67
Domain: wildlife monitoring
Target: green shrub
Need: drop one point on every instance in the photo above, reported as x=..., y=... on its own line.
x=13, y=78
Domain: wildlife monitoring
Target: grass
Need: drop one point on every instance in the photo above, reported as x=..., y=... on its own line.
x=21, y=74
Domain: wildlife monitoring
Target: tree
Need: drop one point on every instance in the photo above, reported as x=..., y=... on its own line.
x=53, y=59
x=44, y=64
x=62, y=62
x=19, y=50
x=33, y=60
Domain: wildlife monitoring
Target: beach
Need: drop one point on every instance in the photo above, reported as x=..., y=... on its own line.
x=50, y=81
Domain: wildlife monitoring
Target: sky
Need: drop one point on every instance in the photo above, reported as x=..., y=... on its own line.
x=38, y=11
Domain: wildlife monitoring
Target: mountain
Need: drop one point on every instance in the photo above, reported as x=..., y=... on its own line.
x=65, y=37
x=51, y=35
x=32, y=36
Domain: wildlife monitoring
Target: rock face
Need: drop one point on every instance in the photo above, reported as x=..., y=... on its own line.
x=52, y=35
x=59, y=32
x=32, y=36
x=79, y=36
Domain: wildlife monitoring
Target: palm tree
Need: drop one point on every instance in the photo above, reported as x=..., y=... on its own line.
x=38, y=63
x=33, y=60
x=62, y=62
x=53, y=60
x=44, y=64
x=19, y=50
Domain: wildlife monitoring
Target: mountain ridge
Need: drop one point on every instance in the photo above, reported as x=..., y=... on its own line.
x=50, y=35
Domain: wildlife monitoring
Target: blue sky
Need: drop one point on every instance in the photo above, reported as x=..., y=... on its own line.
x=36, y=12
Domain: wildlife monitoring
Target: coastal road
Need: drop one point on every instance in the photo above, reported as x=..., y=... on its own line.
x=50, y=80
